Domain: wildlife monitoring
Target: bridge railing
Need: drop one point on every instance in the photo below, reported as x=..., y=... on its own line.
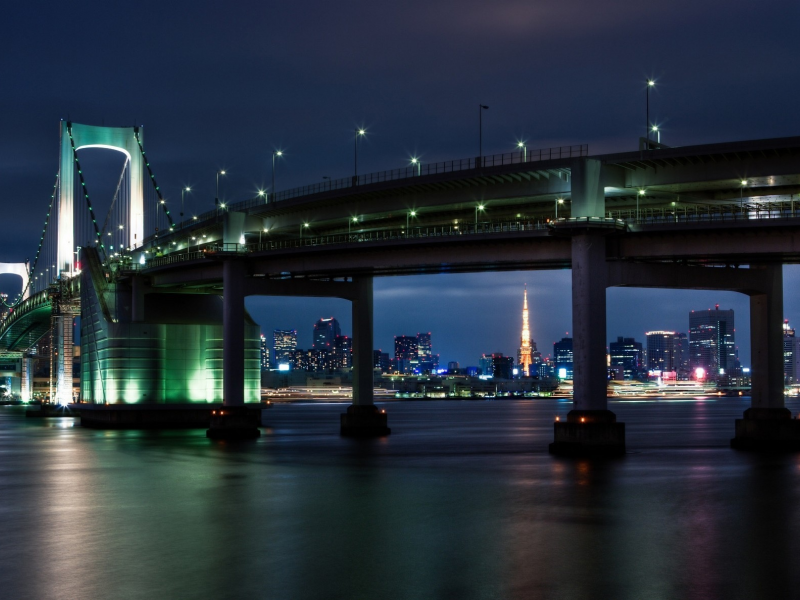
x=697, y=213
x=180, y=256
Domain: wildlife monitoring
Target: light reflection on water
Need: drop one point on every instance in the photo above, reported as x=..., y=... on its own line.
x=462, y=501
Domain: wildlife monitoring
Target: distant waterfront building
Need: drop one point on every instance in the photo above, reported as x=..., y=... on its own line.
x=712, y=342
x=428, y=361
x=284, y=343
x=485, y=365
x=626, y=353
x=502, y=366
x=264, y=353
x=406, y=353
x=562, y=357
x=380, y=360
x=681, y=357
x=453, y=366
x=524, y=354
x=789, y=373
x=660, y=351
x=325, y=332
x=342, y=358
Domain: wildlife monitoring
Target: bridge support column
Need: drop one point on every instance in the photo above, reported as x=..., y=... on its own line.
x=767, y=424
x=137, y=299
x=363, y=418
x=233, y=420
x=590, y=428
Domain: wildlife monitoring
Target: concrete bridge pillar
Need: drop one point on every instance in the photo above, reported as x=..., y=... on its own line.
x=363, y=418
x=233, y=420
x=137, y=299
x=590, y=427
x=767, y=424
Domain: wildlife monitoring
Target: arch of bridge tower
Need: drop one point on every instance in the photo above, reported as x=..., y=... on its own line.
x=20, y=269
x=119, y=139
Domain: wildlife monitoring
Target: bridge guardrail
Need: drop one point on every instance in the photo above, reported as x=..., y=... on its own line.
x=697, y=213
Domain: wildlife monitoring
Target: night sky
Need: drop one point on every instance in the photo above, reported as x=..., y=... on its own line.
x=220, y=85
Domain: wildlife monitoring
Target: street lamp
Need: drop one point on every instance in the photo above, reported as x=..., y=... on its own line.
x=183, y=191
x=524, y=149
x=639, y=195
x=742, y=185
x=359, y=132
x=303, y=226
x=216, y=199
x=657, y=131
x=558, y=201
x=411, y=213
x=415, y=161
x=274, y=154
x=650, y=83
x=481, y=108
x=349, y=223
x=477, y=208
x=264, y=230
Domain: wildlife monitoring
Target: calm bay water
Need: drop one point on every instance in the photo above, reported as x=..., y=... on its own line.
x=461, y=502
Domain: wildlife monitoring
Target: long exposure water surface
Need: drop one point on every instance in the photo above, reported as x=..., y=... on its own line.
x=462, y=501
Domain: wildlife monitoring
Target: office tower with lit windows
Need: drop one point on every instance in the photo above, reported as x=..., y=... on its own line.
x=502, y=366
x=681, y=356
x=789, y=373
x=264, y=353
x=562, y=358
x=380, y=360
x=406, y=353
x=485, y=365
x=626, y=353
x=284, y=343
x=342, y=358
x=712, y=342
x=325, y=332
x=660, y=351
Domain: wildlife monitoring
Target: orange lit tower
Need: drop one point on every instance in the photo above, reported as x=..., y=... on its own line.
x=524, y=359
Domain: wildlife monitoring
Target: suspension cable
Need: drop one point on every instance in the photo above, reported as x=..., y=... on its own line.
x=116, y=195
x=161, y=200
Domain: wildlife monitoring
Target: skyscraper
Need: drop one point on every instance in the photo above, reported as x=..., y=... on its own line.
x=325, y=332
x=264, y=353
x=789, y=374
x=524, y=358
x=681, y=361
x=342, y=353
x=626, y=353
x=562, y=357
x=660, y=350
x=712, y=342
x=406, y=353
x=284, y=343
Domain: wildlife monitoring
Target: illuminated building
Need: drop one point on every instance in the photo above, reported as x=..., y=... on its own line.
x=325, y=332
x=284, y=343
x=485, y=365
x=342, y=353
x=405, y=353
x=264, y=353
x=626, y=353
x=789, y=343
x=660, y=351
x=681, y=359
x=524, y=358
x=381, y=361
x=502, y=366
x=712, y=344
x=562, y=357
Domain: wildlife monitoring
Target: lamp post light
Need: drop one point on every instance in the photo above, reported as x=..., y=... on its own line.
x=415, y=162
x=481, y=108
x=274, y=154
x=359, y=132
x=303, y=226
x=641, y=194
x=558, y=201
x=650, y=83
x=477, y=208
x=657, y=131
x=349, y=223
x=216, y=198
x=264, y=230
x=183, y=191
x=411, y=213
x=524, y=149
x=742, y=185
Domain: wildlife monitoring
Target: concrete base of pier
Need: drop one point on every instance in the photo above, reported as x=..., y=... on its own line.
x=767, y=429
x=589, y=433
x=364, y=421
x=235, y=423
x=52, y=411
x=152, y=416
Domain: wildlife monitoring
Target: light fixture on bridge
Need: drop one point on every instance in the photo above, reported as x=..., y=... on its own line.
x=524, y=147
x=558, y=201
x=650, y=83
x=657, y=131
x=417, y=163
x=360, y=132
x=274, y=154
x=183, y=191
x=122, y=227
x=742, y=185
x=477, y=208
x=411, y=213
x=216, y=198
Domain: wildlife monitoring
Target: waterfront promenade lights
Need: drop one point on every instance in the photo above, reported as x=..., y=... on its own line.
x=650, y=83
x=558, y=201
x=415, y=162
x=216, y=198
x=360, y=132
x=411, y=213
x=274, y=154
x=477, y=208
x=524, y=150
x=481, y=108
x=657, y=131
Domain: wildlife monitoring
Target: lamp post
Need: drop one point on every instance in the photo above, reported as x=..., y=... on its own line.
x=524, y=149
x=183, y=191
x=477, y=208
x=657, y=131
x=303, y=226
x=639, y=195
x=274, y=154
x=558, y=201
x=216, y=198
x=264, y=230
x=481, y=108
x=349, y=224
x=411, y=213
x=650, y=83
x=359, y=132
x=742, y=185
x=416, y=162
